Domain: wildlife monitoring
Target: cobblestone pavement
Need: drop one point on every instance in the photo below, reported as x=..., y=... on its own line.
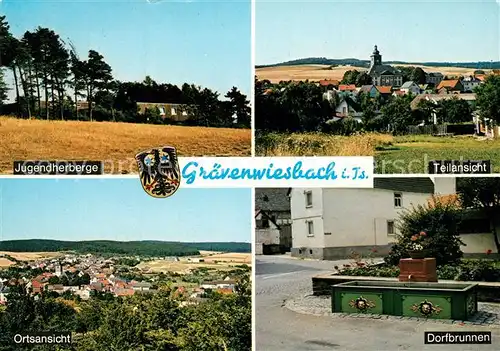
x=487, y=314
x=308, y=325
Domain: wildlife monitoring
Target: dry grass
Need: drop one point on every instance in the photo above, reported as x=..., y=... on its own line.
x=319, y=72
x=238, y=258
x=114, y=143
x=31, y=256
x=318, y=144
x=5, y=262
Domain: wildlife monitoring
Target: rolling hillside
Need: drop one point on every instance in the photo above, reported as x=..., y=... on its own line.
x=146, y=248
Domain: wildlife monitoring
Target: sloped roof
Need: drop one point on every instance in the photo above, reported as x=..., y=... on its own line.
x=408, y=84
x=384, y=89
x=344, y=87
x=366, y=88
x=327, y=82
x=272, y=199
x=452, y=83
x=412, y=185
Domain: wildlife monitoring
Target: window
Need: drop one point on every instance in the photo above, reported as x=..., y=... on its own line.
x=310, y=228
x=172, y=111
x=398, y=200
x=264, y=223
x=309, y=198
x=390, y=228
x=344, y=110
x=328, y=233
x=162, y=111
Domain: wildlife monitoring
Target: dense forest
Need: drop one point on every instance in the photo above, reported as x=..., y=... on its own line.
x=143, y=248
x=366, y=63
x=50, y=76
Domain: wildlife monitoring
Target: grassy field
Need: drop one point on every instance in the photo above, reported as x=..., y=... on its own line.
x=319, y=72
x=219, y=261
x=114, y=143
x=32, y=256
x=400, y=154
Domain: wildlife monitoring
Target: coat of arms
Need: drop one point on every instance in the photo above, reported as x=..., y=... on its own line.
x=159, y=171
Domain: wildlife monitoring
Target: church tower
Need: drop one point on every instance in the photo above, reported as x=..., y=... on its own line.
x=376, y=58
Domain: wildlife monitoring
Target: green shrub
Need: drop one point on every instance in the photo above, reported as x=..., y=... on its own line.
x=440, y=221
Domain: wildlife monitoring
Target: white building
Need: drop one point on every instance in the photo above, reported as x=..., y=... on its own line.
x=470, y=83
x=410, y=87
x=330, y=223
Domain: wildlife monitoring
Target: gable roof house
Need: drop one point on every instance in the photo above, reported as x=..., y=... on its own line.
x=470, y=83
x=329, y=83
x=383, y=74
x=410, y=87
x=347, y=88
x=335, y=221
x=435, y=98
x=433, y=78
x=370, y=90
x=452, y=86
x=348, y=107
x=272, y=220
x=174, y=112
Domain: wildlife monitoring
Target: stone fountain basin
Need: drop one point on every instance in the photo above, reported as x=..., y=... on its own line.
x=421, y=300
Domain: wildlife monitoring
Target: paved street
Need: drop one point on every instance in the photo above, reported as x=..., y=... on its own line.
x=281, y=278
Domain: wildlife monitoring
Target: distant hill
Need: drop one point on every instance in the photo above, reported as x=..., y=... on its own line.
x=144, y=248
x=365, y=63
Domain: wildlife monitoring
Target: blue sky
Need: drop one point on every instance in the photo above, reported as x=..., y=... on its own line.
x=404, y=30
x=119, y=209
x=207, y=43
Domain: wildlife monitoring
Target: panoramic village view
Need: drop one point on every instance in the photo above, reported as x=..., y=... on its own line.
x=408, y=256
x=127, y=284
x=404, y=105
x=99, y=90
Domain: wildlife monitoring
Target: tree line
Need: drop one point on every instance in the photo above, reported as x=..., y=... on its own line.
x=50, y=77
x=301, y=107
x=142, y=248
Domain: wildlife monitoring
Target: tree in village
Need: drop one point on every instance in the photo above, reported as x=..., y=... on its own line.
x=488, y=99
x=399, y=114
x=482, y=194
x=454, y=110
x=418, y=76
x=363, y=79
x=350, y=77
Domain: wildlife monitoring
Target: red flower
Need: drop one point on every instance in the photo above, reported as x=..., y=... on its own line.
x=374, y=249
x=423, y=233
x=414, y=237
x=488, y=252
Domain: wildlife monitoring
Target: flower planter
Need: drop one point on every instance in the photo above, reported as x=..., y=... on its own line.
x=417, y=254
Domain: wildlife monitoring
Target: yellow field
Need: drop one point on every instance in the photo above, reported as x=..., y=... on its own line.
x=31, y=256
x=114, y=143
x=237, y=258
x=319, y=72
x=5, y=262
x=222, y=261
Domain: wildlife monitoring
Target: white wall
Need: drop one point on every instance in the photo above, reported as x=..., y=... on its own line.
x=445, y=186
x=478, y=243
x=358, y=217
x=353, y=217
x=301, y=214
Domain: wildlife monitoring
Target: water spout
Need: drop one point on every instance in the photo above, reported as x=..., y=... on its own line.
x=409, y=279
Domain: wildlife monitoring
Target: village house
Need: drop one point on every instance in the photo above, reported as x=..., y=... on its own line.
x=348, y=107
x=452, y=86
x=174, y=112
x=433, y=78
x=329, y=83
x=370, y=90
x=470, y=83
x=410, y=87
x=435, y=98
x=383, y=75
x=347, y=88
x=335, y=222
